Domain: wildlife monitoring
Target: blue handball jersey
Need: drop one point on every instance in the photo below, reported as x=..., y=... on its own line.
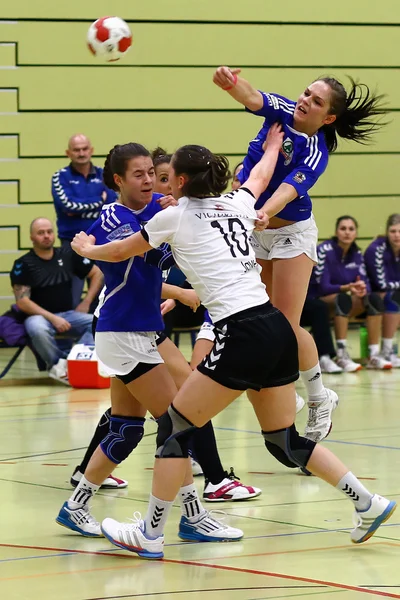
x=133, y=287
x=301, y=161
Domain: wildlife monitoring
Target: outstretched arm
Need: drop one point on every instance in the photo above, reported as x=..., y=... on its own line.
x=238, y=87
x=116, y=251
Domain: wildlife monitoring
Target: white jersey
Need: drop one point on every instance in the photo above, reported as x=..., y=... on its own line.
x=209, y=239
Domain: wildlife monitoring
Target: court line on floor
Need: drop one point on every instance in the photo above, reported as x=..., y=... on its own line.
x=59, y=451
x=232, y=589
x=340, y=586
x=145, y=501
x=325, y=441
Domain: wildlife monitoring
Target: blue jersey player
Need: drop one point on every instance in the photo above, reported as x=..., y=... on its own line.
x=127, y=345
x=286, y=250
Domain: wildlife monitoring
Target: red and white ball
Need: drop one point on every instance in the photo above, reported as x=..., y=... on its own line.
x=109, y=38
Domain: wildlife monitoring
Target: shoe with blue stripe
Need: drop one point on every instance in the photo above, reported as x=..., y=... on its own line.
x=132, y=537
x=79, y=520
x=208, y=529
x=367, y=521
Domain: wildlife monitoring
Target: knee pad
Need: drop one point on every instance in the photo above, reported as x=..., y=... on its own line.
x=124, y=435
x=374, y=304
x=343, y=304
x=391, y=301
x=174, y=433
x=287, y=446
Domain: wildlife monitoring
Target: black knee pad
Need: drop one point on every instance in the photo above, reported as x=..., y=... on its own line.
x=374, y=304
x=124, y=435
x=343, y=304
x=287, y=446
x=174, y=433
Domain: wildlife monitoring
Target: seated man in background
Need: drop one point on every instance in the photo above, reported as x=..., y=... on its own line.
x=78, y=193
x=41, y=281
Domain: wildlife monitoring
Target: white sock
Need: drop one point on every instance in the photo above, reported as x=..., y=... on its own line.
x=312, y=379
x=387, y=345
x=156, y=517
x=373, y=349
x=355, y=490
x=190, y=503
x=82, y=494
x=341, y=344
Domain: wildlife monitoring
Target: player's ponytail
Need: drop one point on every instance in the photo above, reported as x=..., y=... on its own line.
x=117, y=159
x=207, y=174
x=354, y=111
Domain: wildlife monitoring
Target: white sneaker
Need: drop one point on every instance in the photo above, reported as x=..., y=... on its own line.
x=79, y=520
x=59, y=372
x=196, y=468
x=328, y=365
x=208, y=529
x=229, y=490
x=300, y=402
x=378, y=362
x=132, y=537
x=367, y=521
x=319, y=422
x=110, y=483
x=393, y=359
x=344, y=361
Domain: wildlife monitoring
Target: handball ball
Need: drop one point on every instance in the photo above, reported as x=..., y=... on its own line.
x=109, y=38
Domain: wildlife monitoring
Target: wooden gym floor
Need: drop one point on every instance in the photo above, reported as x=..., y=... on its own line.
x=296, y=533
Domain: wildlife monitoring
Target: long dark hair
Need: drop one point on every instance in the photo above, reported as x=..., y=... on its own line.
x=354, y=246
x=355, y=112
x=117, y=159
x=208, y=174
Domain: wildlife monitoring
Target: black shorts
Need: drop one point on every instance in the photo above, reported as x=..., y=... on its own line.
x=160, y=337
x=253, y=349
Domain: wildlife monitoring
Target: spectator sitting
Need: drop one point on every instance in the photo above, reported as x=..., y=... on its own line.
x=41, y=281
x=382, y=259
x=316, y=315
x=78, y=193
x=341, y=281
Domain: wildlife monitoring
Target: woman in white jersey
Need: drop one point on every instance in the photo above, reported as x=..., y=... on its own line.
x=287, y=249
x=126, y=343
x=255, y=347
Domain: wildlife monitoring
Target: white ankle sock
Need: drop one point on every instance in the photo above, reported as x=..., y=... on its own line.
x=373, y=349
x=387, y=345
x=190, y=502
x=312, y=379
x=341, y=345
x=354, y=489
x=82, y=494
x=156, y=517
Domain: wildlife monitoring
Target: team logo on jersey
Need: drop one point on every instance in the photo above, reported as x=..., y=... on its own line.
x=123, y=231
x=86, y=261
x=287, y=150
x=299, y=177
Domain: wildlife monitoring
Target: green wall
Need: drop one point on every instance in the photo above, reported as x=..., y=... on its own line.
x=162, y=93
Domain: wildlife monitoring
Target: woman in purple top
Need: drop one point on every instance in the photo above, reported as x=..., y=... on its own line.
x=382, y=259
x=340, y=279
